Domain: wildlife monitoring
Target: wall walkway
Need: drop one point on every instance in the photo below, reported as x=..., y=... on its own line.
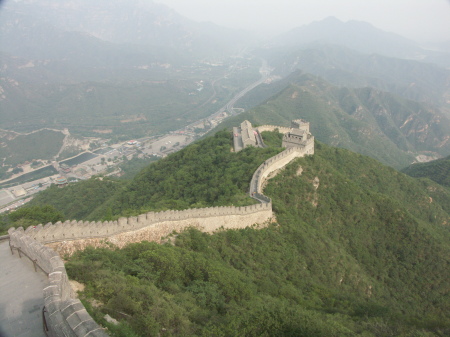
x=21, y=298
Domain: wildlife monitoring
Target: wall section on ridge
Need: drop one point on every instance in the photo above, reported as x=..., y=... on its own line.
x=70, y=236
x=209, y=219
x=138, y=231
x=274, y=164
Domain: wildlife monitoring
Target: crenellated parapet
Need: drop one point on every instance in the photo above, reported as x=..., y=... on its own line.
x=75, y=230
x=163, y=223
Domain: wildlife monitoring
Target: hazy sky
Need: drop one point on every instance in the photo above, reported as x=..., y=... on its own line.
x=417, y=19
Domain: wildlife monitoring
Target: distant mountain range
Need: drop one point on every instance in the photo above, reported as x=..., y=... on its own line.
x=359, y=36
x=377, y=98
x=91, y=65
x=342, y=66
x=36, y=28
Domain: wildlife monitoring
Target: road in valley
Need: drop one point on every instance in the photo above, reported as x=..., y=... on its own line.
x=264, y=71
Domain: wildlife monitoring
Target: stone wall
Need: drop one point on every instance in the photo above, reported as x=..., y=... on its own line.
x=147, y=227
x=308, y=149
x=66, y=315
x=248, y=137
x=273, y=164
x=4, y=238
x=208, y=219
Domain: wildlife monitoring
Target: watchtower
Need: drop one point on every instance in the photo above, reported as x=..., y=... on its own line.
x=299, y=136
x=300, y=124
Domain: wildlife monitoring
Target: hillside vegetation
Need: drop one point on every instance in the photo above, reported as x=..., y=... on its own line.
x=77, y=201
x=358, y=249
x=436, y=170
x=73, y=202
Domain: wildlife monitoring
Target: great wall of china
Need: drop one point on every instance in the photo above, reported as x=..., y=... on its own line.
x=45, y=244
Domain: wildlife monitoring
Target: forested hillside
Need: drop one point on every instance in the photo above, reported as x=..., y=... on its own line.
x=77, y=201
x=204, y=174
x=74, y=202
x=358, y=249
x=437, y=170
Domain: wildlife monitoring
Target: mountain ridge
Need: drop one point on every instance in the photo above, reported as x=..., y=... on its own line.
x=360, y=36
x=342, y=66
x=122, y=23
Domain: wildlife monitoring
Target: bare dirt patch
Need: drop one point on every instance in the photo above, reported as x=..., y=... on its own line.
x=316, y=183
